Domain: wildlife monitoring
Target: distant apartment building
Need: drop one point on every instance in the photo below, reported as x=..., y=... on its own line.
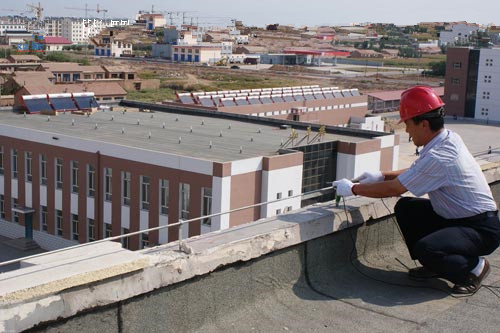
x=112, y=43
x=110, y=173
x=4, y=27
x=53, y=26
x=458, y=33
x=79, y=30
x=472, y=83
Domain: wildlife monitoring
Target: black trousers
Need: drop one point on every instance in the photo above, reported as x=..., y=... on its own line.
x=446, y=246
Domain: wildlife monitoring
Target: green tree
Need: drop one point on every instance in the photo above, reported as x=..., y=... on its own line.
x=438, y=68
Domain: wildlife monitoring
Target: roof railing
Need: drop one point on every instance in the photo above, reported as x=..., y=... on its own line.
x=305, y=196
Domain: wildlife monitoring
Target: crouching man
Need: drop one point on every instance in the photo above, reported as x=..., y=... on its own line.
x=451, y=231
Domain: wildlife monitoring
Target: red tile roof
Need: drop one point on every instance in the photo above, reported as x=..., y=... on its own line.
x=55, y=40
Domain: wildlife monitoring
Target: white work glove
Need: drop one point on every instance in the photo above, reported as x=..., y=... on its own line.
x=370, y=177
x=344, y=187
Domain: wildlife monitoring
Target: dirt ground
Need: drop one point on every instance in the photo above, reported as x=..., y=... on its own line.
x=187, y=77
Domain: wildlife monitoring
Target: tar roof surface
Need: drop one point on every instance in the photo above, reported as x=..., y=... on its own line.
x=195, y=144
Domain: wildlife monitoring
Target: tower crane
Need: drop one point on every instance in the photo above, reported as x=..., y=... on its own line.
x=87, y=10
x=37, y=10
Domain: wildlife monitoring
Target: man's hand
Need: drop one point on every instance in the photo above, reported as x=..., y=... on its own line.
x=370, y=177
x=344, y=187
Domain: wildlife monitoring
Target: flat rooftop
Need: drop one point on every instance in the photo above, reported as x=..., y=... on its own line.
x=195, y=144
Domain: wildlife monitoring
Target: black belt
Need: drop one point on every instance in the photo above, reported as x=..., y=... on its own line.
x=485, y=215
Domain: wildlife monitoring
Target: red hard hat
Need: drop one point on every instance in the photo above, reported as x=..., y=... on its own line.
x=417, y=101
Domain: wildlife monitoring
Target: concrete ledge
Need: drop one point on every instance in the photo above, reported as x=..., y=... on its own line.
x=61, y=285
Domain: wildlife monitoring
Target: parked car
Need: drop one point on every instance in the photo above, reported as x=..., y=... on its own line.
x=235, y=67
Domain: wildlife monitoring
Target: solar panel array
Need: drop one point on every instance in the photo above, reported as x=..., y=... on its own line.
x=85, y=100
x=264, y=96
x=37, y=103
x=62, y=102
x=59, y=102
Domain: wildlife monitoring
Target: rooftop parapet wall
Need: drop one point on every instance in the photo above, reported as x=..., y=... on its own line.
x=58, y=286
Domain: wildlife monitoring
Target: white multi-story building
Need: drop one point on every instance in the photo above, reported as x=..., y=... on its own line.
x=79, y=30
x=488, y=85
x=458, y=33
x=53, y=27
x=4, y=27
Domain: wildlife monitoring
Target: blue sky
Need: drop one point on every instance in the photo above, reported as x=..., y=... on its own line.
x=259, y=12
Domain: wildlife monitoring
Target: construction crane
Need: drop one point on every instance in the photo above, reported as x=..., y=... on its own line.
x=104, y=11
x=37, y=10
x=87, y=10
x=13, y=10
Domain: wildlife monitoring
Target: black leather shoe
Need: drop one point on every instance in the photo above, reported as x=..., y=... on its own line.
x=421, y=273
x=472, y=283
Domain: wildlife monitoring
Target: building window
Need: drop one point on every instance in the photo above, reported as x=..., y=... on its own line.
x=455, y=82
x=14, y=163
x=125, y=240
x=90, y=230
x=108, y=230
x=1, y=161
x=278, y=195
x=2, y=206
x=43, y=170
x=15, y=215
x=144, y=240
x=206, y=205
x=90, y=180
x=43, y=218
x=184, y=201
x=290, y=193
x=457, y=65
x=145, y=192
x=164, y=196
x=29, y=166
x=126, y=188
x=59, y=222
x=59, y=166
x=74, y=176
x=107, y=183
x=278, y=211
x=74, y=226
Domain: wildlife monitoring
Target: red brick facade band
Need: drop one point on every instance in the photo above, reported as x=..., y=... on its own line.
x=21, y=187
x=7, y=180
x=241, y=186
x=455, y=87
x=35, y=191
x=270, y=163
x=222, y=169
x=357, y=148
x=100, y=162
x=51, y=191
x=386, y=158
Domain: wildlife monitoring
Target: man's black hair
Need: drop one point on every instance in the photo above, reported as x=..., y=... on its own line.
x=434, y=117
